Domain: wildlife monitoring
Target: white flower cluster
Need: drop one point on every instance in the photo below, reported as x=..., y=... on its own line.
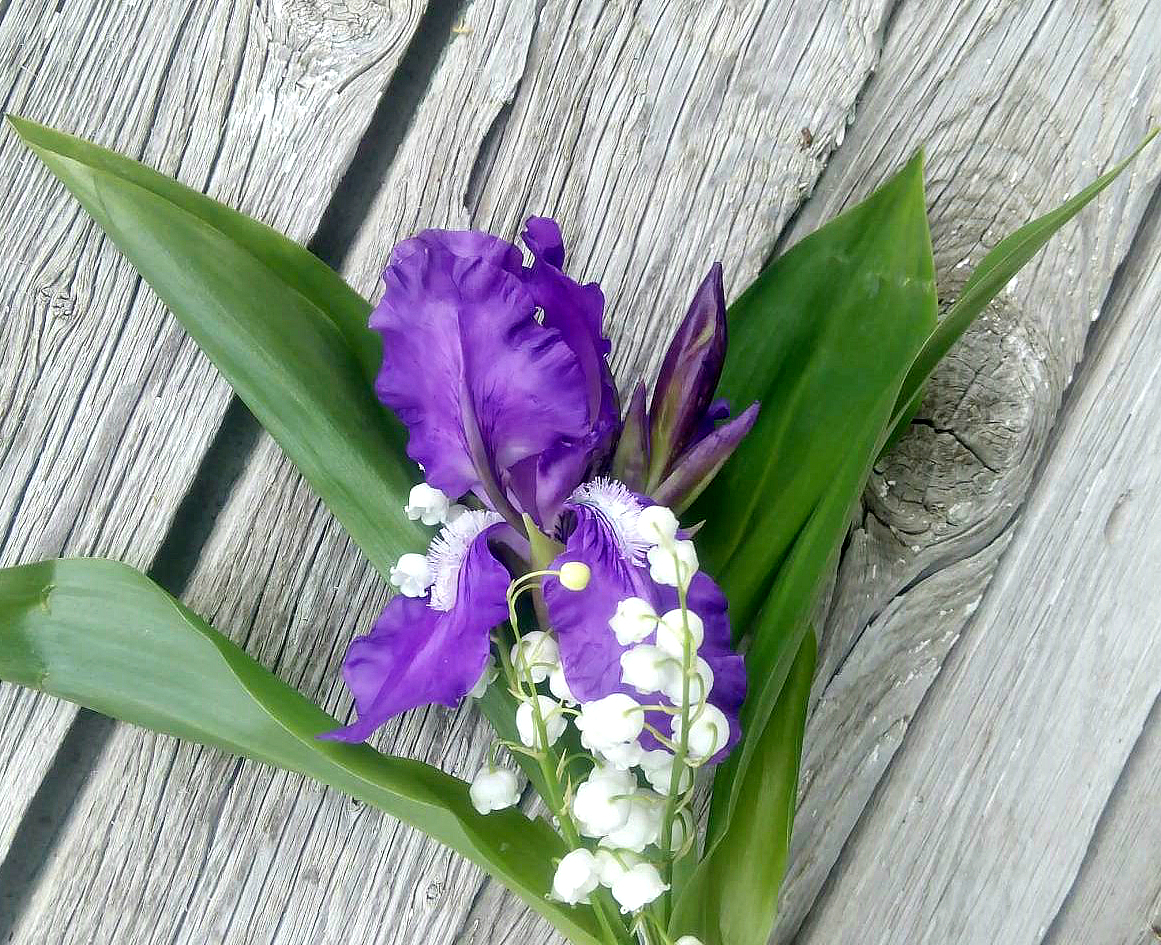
x=622, y=803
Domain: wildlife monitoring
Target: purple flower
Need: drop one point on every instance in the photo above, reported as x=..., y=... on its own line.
x=500, y=373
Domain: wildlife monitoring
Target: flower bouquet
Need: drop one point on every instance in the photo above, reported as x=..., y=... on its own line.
x=625, y=589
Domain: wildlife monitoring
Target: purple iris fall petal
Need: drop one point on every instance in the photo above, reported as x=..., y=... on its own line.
x=694, y=470
x=478, y=382
x=418, y=654
x=589, y=650
x=689, y=374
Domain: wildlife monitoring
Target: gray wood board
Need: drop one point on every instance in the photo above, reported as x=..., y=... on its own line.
x=105, y=406
x=660, y=141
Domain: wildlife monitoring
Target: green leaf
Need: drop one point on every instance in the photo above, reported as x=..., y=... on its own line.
x=739, y=905
x=824, y=330
x=288, y=334
x=824, y=339
x=993, y=273
x=100, y=634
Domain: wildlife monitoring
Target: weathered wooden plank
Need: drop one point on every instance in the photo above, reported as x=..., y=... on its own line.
x=105, y=406
x=684, y=90
x=1017, y=106
x=981, y=823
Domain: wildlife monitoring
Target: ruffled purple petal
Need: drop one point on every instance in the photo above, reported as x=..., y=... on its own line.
x=479, y=383
x=589, y=650
x=416, y=655
x=576, y=312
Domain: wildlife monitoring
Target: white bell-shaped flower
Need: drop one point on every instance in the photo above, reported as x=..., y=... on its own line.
x=675, y=627
x=701, y=683
x=576, y=876
x=708, y=732
x=558, y=686
x=487, y=677
x=601, y=802
x=688, y=940
x=623, y=755
x=412, y=574
x=610, y=720
x=643, y=825
x=554, y=722
x=535, y=655
x=657, y=765
x=427, y=504
x=658, y=525
x=494, y=789
x=682, y=827
x=673, y=564
x=649, y=668
x=637, y=887
x=613, y=863
x=633, y=620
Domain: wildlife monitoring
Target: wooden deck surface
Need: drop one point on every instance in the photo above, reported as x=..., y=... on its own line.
x=983, y=759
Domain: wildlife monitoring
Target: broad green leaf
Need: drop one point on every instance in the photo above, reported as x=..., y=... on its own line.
x=735, y=892
x=288, y=334
x=824, y=339
x=824, y=330
x=102, y=635
x=993, y=273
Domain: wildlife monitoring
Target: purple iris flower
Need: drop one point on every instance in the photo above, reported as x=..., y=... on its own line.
x=499, y=370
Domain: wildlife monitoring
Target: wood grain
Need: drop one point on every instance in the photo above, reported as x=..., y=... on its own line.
x=664, y=136
x=104, y=417
x=1017, y=106
x=202, y=849
x=980, y=827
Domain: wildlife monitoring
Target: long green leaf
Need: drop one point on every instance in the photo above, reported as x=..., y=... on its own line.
x=100, y=634
x=738, y=905
x=288, y=334
x=824, y=340
x=822, y=332
x=994, y=272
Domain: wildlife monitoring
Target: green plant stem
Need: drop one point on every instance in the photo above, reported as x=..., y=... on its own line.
x=549, y=765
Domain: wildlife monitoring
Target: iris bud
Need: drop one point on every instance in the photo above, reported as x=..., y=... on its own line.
x=574, y=575
x=576, y=876
x=412, y=575
x=633, y=620
x=427, y=504
x=494, y=789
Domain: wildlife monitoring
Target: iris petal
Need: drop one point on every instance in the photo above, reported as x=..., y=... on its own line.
x=478, y=382
x=416, y=655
